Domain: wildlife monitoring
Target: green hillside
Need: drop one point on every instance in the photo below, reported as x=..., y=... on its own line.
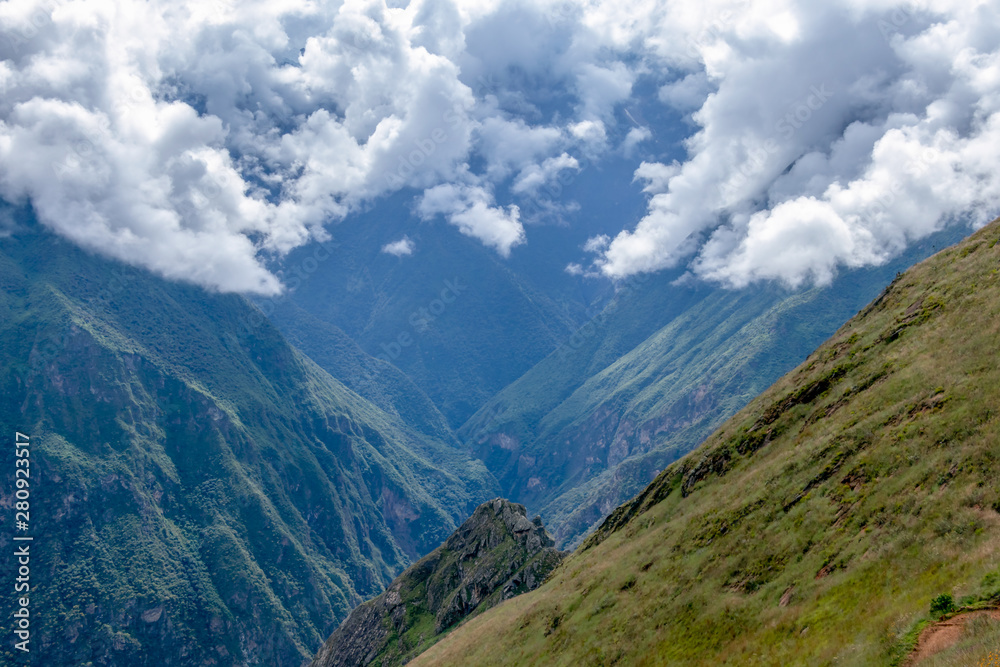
x=816, y=526
x=374, y=379
x=453, y=316
x=202, y=492
x=666, y=363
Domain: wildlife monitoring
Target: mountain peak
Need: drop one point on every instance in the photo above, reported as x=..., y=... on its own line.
x=495, y=554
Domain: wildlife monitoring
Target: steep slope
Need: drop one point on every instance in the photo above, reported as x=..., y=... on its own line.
x=375, y=379
x=817, y=525
x=648, y=380
x=496, y=554
x=202, y=493
x=452, y=316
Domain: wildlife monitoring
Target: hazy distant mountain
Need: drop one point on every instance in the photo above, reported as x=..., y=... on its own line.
x=647, y=380
x=452, y=315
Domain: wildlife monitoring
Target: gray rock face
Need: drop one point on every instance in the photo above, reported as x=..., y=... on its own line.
x=496, y=554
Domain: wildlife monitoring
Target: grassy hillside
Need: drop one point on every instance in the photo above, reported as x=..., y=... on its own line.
x=203, y=493
x=817, y=525
x=665, y=365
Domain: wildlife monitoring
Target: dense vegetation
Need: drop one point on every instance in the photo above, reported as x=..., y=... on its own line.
x=202, y=492
x=375, y=379
x=818, y=525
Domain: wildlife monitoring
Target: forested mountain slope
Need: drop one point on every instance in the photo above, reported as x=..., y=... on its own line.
x=202, y=493
x=453, y=316
x=644, y=383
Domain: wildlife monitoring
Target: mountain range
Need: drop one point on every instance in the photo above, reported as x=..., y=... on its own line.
x=205, y=494
x=223, y=480
x=845, y=516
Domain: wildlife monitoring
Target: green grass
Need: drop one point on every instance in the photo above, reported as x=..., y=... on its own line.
x=859, y=488
x=979, y=646
x=591, y=425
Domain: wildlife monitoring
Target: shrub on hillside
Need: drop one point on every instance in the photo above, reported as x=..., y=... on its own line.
x=942, y=604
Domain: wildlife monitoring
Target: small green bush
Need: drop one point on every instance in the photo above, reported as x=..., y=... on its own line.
x=942, y=604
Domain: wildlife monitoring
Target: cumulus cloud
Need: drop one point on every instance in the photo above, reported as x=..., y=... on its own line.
x=808, y=155
x=400, y=248
x=688, y=93
x=635, y=136
x=656, y=175
x=592, y=133
x=205, y=140
x=202, y=140
x=535, y=176
x=472, y=210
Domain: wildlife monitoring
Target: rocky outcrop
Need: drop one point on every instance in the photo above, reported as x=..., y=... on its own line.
x=496, y=554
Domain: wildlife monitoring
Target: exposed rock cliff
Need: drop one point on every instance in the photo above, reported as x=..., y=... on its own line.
x=496, y=554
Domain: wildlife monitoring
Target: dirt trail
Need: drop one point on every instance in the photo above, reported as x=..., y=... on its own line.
x=945, y=634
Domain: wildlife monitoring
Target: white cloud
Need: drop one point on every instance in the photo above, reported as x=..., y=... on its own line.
x=400, y=248
x=635, y=136
x=602, y=87
x=202, y=140
x=511, y=145
x=810, y=155
x=535, y=176
x=688, y=93
x=591, y=132
x=656, y=175
x=597, y=243
x=471, y=209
